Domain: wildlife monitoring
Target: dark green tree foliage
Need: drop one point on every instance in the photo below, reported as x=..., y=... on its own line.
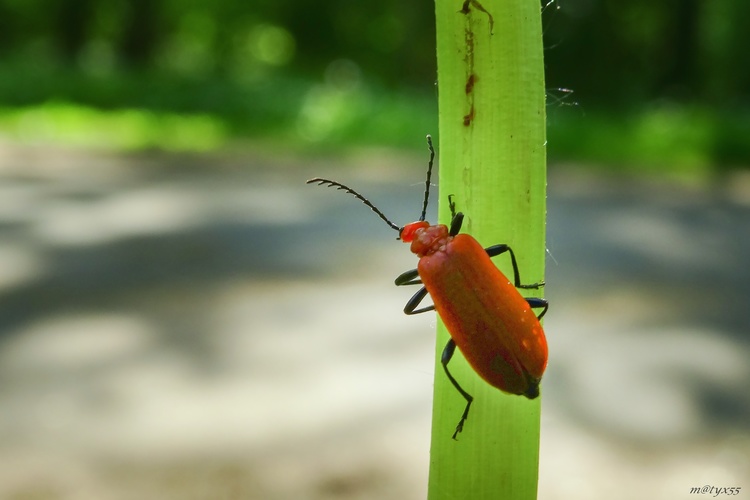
x=609, y=52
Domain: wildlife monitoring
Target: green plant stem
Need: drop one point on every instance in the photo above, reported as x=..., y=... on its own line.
x=492, y=158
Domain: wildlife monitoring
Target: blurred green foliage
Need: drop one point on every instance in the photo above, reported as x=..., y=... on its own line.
x=655, y=84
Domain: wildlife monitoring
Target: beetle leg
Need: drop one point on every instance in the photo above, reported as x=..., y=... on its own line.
x=411, y=306
x=408, y=278
x=457, y=218
x=496, y=250
x=412, y=278
x=450, y=348
x=536, y=303
x=456, y=222
x=452, y=205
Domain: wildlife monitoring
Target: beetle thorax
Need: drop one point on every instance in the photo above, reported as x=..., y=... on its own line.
x=430, y=240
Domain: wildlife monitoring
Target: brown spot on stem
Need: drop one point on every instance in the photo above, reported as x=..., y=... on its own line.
x=470, y=83
x=466, y=9
x=470, y=117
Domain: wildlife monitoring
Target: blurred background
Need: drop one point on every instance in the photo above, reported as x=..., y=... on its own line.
x=182, y=318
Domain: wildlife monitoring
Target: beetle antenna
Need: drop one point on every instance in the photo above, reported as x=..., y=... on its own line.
x=427, y=182
x=338, y=185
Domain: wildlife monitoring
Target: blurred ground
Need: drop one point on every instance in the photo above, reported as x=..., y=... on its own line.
x=177, y=327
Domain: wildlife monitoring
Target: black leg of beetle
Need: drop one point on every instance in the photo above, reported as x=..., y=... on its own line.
x=411, y=306
x=412, y=278
x=456, y=222
x=456, y=218
x=450, y=348
x=408, y=278
x=536, y=303
x=496, y=250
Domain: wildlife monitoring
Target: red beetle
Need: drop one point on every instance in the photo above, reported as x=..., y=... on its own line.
x=492, y=324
